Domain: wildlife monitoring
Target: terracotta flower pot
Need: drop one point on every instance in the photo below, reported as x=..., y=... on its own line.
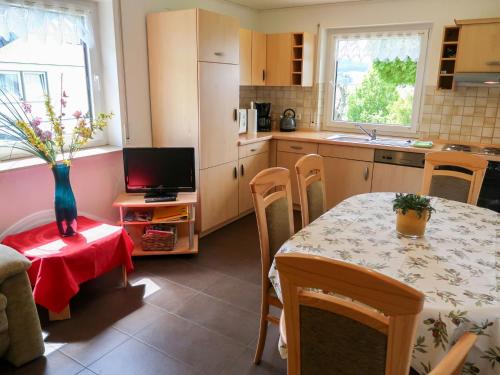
x=410, y=225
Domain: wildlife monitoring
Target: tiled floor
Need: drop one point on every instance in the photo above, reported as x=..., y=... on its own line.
x=179, y=315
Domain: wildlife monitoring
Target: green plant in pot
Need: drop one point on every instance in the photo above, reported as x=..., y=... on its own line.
x=413, y=212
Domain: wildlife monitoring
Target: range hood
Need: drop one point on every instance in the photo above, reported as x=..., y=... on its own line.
x=478, y=79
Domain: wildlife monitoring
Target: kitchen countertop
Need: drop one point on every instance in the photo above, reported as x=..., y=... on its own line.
x=321, y=137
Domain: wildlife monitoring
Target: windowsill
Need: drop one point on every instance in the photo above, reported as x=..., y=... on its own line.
x=9, y=165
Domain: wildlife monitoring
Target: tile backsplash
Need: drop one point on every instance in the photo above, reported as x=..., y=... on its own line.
x=466, y=114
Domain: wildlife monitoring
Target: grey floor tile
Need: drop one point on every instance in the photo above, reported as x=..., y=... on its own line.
x=203, y=349
x=228, y=320
x=88, y=351
x=169, y=296
x=135, y=358
x=140, y=318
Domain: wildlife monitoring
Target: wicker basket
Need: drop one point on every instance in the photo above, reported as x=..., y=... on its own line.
x=159, y=237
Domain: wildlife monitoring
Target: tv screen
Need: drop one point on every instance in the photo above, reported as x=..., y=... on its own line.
x=159, y=170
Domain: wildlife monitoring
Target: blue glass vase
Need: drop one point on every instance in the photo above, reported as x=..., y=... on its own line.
x=64, y=201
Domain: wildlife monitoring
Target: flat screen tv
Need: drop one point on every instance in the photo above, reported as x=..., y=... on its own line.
x=159, y=171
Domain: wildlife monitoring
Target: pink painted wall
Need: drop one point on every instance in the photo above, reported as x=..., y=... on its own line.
x=96, y=181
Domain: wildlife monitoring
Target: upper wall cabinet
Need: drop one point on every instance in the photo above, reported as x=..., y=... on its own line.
x=479, y=46
x=245, y=57
x=218, y=38
x=252, y=58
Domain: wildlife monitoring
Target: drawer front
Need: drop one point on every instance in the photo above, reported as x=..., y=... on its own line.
x=347, y=152
x=253, y=149
x=298, y=147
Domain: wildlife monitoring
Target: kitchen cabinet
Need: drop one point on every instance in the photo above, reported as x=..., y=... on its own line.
x=479, y=47
x=194, y=89
x=248, y=168
x=218, y=38
x=259, y=43
x=396, y=178
x=245, y=57
x=345, y=178
x=219, y=194
x=219, y=99
x=279, y=59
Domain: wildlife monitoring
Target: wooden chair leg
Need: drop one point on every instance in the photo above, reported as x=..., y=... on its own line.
x=264, y=311
x=125, y=276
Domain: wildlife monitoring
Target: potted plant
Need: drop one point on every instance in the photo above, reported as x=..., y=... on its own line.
x=413, y=212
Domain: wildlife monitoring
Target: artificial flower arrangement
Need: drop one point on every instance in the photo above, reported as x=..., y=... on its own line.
x=413, y=212
x=25, y=131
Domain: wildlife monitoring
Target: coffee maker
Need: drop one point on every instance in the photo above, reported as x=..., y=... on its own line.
x=263, y=117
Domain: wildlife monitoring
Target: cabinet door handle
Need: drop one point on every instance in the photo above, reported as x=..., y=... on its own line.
x=366, y=173
x=219, y=54
x=493, y=62
x=242, y=170
x=235, y=173
x=235, y=114
x=296, y=147
x=253, y=149
x=263, y=74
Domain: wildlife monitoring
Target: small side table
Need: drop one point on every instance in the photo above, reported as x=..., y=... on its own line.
x=60, y=264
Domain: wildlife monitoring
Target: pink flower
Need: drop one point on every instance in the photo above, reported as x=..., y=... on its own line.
x=77, y=114
x=36, y=121
x=26, y=107
x=46, y=136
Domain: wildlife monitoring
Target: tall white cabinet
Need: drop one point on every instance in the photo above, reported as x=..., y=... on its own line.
x=194, y=89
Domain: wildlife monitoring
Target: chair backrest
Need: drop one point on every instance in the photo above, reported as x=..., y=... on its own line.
x=454, y=175
x=311, y=182
x=326, y=334
x=272, y=198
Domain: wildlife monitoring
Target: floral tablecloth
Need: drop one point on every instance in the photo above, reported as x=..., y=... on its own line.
x=456, y=264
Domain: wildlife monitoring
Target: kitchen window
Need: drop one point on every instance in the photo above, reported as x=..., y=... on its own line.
x=375, y=78
x=45, y=48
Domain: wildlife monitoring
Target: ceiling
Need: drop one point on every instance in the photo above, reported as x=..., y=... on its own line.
x=276, y=4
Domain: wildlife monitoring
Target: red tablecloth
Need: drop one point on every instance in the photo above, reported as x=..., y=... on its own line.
x=61, y=264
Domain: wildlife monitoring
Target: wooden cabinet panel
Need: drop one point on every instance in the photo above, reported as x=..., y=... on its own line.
x=396, y=178
x=479, y=48
x=259, y=42
x=245, y=57
x=346, y=152
x=279, y=59
x=248, y=169
x=298, y=147
x=253, y=149
x=288, y=160
x=218, y=38
x=219, y=98
x=219, y=195
x=345, y=178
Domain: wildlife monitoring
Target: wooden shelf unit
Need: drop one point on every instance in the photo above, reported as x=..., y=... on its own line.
x=187, y=240
x=448, y=57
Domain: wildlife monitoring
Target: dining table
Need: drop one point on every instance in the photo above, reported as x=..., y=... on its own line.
x=456, y=264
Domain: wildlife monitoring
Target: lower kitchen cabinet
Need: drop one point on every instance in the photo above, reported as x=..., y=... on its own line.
x=288, y=160
x=345, y=178
x=248, y=169
x=219, y=194
x=396, y=178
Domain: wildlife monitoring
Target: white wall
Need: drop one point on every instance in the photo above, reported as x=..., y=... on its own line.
x=135, y=59
x=383, y=12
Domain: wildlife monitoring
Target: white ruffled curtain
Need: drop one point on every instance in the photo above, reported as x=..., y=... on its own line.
x=382, y=46
x=45, y=21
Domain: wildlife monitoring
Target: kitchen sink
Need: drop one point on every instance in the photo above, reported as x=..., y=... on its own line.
x=379, y=141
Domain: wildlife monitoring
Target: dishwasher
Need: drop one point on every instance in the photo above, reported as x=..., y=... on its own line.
x=397, y=171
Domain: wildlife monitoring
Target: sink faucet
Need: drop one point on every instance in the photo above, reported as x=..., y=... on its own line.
x=372, y=134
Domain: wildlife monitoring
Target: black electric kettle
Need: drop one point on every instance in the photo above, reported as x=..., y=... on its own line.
x=287, y=122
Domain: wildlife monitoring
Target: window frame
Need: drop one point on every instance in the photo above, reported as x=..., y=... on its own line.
x=331, y=125
x=93, y=69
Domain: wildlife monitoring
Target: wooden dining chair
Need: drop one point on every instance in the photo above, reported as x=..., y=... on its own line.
x=454, y=175
x=272, y=198
x=311, y=182
x=327, y=335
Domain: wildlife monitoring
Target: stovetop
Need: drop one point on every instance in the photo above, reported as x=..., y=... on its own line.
x=474, y=149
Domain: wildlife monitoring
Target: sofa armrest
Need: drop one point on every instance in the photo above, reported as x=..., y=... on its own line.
x=11, y=262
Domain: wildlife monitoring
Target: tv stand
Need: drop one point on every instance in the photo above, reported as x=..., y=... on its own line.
x=160, y=197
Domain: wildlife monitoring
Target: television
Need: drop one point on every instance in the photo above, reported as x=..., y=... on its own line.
x=159, y=171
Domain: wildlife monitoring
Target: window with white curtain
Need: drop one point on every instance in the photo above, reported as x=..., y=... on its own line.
x=375, y=77
x=47, y=48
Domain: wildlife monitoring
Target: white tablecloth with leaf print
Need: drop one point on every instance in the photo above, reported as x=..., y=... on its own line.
x=456, y=264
